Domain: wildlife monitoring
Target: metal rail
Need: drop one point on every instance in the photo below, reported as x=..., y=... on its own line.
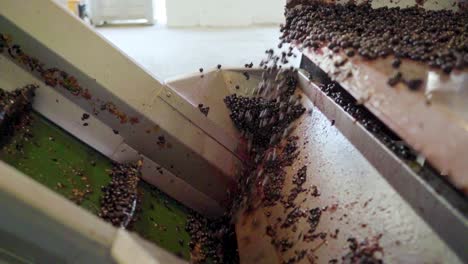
x=432, y=197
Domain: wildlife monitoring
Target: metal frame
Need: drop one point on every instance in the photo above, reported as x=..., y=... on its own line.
x=438, y=203
x=419, y=117
x=111, y=76
x=358, y=180
x=45, y=227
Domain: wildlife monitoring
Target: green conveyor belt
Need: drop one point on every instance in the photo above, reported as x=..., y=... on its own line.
x=66, y=165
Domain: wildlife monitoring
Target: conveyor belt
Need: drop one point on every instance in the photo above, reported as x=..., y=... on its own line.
x=69, y=167
x=420, y=114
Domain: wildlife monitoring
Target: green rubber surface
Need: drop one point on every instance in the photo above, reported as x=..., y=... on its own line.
x=165, y=218
x=66, y=165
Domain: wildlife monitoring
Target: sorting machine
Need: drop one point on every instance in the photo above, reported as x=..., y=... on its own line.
x=417, y=210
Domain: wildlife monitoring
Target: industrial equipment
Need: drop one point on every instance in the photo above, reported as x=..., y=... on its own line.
x=357, y=169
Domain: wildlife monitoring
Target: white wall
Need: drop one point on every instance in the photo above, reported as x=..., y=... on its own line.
x=267, y=11
x=224, y=12
x=159, y=11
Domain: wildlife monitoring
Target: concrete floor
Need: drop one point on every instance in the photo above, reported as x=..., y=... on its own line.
x=168, y=52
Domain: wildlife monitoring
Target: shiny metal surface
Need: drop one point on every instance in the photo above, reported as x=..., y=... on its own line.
x=442, y=207
x=211, y=87
x=434, y=120
x=351, y=168
x=365, y=204
x=185, y=149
